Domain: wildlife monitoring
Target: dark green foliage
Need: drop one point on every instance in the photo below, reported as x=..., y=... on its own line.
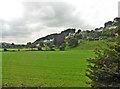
x=59, y=40
x=78, y=36
x=39, y=49
x=29, y=44
x=62, y=47
x=72, y=42
x=13, y=45
x=117, y=21
x=79, y=31
x=118, y=30
x=50, y=45
x=48, y=37
x=18, y=49
x=68, y=31
x=52, y=49
x=104, y=69
x=109, y=23
x=5, y=49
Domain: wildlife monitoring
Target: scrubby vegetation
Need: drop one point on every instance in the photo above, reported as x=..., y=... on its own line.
x=104, y=69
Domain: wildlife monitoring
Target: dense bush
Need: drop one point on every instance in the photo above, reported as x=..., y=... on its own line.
x=104, y=69
x=39, y=49
x=52, y=49
x=5, y=49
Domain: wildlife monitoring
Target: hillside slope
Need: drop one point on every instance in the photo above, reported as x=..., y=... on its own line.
x=90, y=45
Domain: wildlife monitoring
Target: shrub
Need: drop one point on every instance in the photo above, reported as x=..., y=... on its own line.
x=104, y=69
x=62, y=47
x=39, y=49
x=5, y=49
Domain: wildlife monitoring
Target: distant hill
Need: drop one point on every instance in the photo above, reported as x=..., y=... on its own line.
x=96, y=34
x=58, y=40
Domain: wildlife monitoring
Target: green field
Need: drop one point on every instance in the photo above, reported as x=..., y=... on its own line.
x=48, y=68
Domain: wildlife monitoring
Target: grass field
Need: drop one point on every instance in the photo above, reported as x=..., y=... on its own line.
x=47, y=69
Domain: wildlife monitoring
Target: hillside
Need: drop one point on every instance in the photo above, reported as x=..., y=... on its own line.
x=90, y=45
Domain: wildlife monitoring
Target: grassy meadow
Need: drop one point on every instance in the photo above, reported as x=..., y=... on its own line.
x=47, y=68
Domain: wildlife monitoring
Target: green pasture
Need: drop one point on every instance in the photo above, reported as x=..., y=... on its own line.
x=48, y=68
x=66, y=69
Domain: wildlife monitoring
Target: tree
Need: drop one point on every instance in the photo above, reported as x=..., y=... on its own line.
x=39, y=48
x=78, y=32
x=58, y=40
x=68, y=31
x=5, y=49
x=104, y=69
x=116, y=21
x=62, y=47
x=78, y=36
x=72, y=42
x=109, y=23
x=29, y=44
x=13, y=45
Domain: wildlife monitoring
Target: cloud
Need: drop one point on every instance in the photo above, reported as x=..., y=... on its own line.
x=40, y=19
x=14, y=29
x=54, y=14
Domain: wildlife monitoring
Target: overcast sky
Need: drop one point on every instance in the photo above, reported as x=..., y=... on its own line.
x=25, y=21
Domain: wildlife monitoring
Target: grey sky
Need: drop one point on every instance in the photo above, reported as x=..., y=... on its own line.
x=21, y=22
